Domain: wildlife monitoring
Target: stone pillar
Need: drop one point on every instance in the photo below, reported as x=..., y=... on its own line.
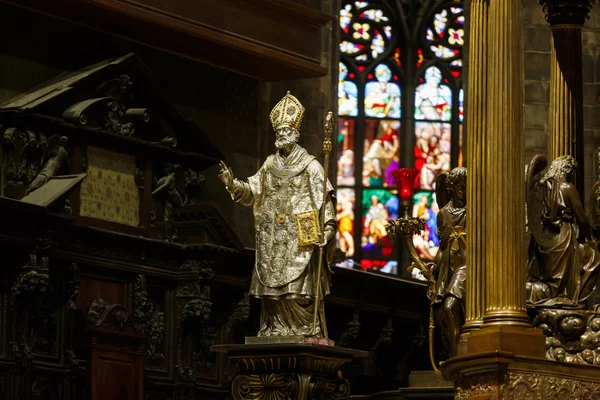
x=476, y=163
x=505, y=180
x=566, y=19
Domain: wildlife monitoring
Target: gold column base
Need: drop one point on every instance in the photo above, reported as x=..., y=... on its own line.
x=511, y=317
x=472, y=325
x=508, y=338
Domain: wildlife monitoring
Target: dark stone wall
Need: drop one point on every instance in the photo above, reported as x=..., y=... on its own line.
x=225, y=104
x=317, y=95
x=537, y=41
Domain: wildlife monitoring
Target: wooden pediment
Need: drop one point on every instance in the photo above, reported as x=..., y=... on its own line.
x=116, y=99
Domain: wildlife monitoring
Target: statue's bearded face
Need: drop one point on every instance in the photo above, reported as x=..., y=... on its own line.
x=285, y=137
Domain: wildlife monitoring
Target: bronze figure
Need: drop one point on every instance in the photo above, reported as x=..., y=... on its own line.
x=287, y=199
x=447, y=274
x=563, y=254
x=450, y=266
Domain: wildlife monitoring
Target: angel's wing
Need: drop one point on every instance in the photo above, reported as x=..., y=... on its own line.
x=442, y=195
x=51, y=146
x=534, y=193
x=179, y=178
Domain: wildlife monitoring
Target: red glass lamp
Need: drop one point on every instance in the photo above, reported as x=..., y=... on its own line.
x=405, y=178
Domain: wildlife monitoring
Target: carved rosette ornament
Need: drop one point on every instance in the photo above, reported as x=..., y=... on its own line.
x=566, y=12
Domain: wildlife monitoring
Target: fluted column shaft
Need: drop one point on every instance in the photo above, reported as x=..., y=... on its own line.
x=476, y=164
x=566, y=19
x=505, y=180
x=566, y=92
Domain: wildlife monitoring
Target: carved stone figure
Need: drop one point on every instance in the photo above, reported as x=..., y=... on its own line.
x=450, y=266
x=563, y=255
x=287, y=195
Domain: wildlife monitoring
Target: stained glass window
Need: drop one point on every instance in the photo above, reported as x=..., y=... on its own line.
x=400, y=104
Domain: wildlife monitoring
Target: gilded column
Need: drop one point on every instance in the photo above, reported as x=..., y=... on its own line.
x=505, y=180
x=566, y=18
x=476, y=164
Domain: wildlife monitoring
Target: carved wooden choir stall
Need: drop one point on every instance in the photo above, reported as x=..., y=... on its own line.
x=119, y=273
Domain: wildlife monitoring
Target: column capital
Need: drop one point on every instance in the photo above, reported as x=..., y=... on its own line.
x=569, y=12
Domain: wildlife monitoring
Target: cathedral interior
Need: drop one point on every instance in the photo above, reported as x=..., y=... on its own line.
x=267, y=199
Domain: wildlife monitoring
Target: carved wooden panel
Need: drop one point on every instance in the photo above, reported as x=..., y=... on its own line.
x=109, y=191
x=91, y=289
x=116, y=376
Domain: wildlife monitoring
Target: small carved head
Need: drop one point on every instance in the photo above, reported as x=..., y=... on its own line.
x=125, y=83
x=457, y=185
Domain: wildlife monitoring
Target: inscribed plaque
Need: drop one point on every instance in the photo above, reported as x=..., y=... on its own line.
x=109, y=192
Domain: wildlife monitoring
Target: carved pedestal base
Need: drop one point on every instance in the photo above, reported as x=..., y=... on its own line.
x=297, y=371
x=503, y=375
x=288, y=339
x=571, y=335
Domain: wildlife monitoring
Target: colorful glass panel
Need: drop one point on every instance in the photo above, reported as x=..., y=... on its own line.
x=425, y=207
x=373, y=54
x=378, y=207
x=460, y=146
x=381, y=152
x=432, y=152
x=461, y=96
x=346, y=155
x=446, y=34
x=366, y=30
x=346, y=199
x=382, y=98
x=347, y=94
x=387, y=266
x=433, y=100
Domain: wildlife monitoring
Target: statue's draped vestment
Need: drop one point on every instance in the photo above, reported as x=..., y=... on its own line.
x=561, y=270
x=285, y=271
x=452, y=253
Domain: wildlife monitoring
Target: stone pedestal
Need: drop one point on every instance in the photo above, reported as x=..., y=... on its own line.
x=296, y=371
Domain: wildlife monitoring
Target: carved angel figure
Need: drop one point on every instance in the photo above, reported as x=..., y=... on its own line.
x=55, y=158
x=450, y=265
x=167, y=189
x=563, y=256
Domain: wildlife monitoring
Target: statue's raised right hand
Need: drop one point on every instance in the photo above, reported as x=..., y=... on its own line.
x=225, y=174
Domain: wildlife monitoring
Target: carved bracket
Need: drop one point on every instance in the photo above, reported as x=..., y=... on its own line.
x=283, y=386
x=113, y=316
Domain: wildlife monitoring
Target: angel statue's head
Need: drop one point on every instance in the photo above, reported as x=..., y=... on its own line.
x=457, y=185
x=562, y=168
